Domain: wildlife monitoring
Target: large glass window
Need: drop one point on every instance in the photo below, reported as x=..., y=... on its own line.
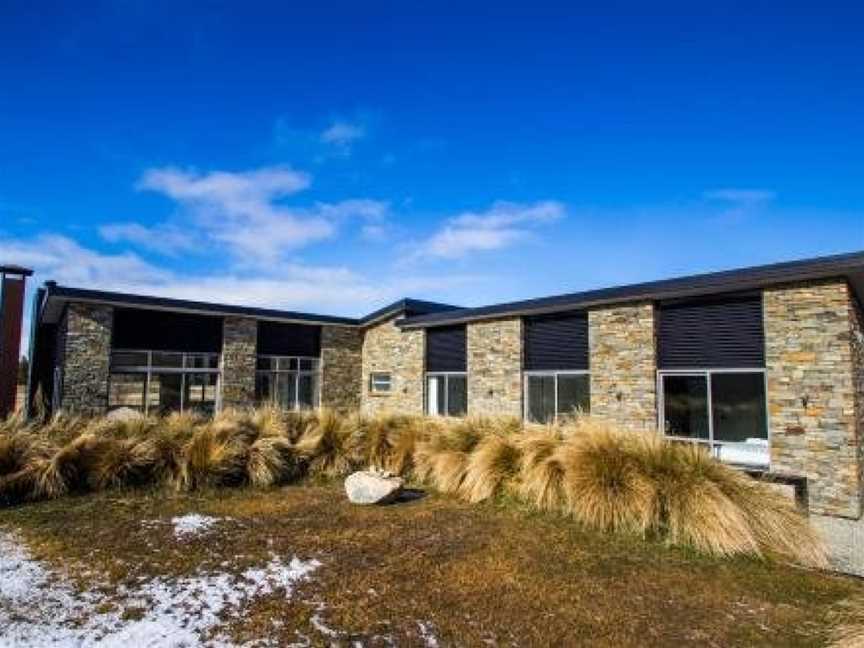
x=722, y=408
x=288, y=382
x=161, y=382
x=685, y=400
x=554, y=394
x=446, y=394
x=127, y=390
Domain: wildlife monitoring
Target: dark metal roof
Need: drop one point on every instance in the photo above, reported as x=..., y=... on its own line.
x=421, y=314
x=410, y=307
x=56, y=295
x=15, y=269
x=62, y=294
x=849, y=266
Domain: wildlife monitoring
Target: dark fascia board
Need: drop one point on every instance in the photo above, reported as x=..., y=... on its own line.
x=63, y=294
x=850, y=266
x=410, y=307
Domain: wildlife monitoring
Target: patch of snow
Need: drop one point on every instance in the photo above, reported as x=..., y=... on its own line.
x=427, y=634
x=42, y=608
x=192, y=524
x=318, y=623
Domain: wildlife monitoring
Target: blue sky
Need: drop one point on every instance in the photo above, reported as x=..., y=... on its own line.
x=337, y=157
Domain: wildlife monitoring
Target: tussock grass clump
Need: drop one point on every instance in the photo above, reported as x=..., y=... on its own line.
x=386, y=441
x=697, y=498
x=371, y=439
x=494, y=461
x=403, y=440
x=212, y=457
x=604, y=486
x=541, y=477
x=272, y=460
x=327, y=447
x=17, y=449
x=847, y=620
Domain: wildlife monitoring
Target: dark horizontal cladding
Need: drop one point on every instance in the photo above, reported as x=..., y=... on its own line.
x=158, y=330
x=278, y=338
x=723, y=333
x=446, y=349
x=556, y=342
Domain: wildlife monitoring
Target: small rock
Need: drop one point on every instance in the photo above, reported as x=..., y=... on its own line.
x=368, y=487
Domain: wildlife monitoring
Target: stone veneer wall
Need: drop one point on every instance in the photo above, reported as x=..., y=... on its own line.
x=809, y=340
x=83, y=353
x=402, y=353
x=856, y=321
x=239, y=348
x=495, y=367
x=341, y=367
x=623, y=363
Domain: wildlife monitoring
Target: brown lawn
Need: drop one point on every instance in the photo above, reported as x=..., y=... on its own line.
x=468, y=574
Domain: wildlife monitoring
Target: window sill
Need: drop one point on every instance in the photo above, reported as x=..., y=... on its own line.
x=380, y=394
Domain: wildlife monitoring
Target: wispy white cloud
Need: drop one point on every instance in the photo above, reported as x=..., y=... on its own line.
x=737, y=204
x=333, y=289
x=373, y=210
x=374, y=232
x=243, y=212
x=163, y=238
x=63, y=259
x=343, y=135
x=258, y=185
x=740, y=195
x=502, y=225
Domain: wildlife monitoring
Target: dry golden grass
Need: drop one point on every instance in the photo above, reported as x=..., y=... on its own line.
x=604, y=487
x=211, y=458
x=327, y=447
x=541, y=478
x=123, y=462
x=847, y=620
x=403, y=445
x=494, y=461
x=18, y=448
x=272, y=460
x=604, y=478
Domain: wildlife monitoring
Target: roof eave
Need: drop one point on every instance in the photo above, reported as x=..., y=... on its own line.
x=849, y=267
x=56, y=296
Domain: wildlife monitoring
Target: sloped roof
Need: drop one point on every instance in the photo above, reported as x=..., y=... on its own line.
x=849, y=266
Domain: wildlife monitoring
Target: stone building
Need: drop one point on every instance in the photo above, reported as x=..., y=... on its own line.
x=763, y=365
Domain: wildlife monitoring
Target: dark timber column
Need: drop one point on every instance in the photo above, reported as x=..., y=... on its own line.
x=239, y=348
x=84, y=349
x=12, y=281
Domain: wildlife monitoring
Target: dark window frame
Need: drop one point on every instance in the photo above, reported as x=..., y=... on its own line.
x=446, y=375
x=148, y=370
x=715, y=446
x=375, y=388
x=296, y=373
x=555, y=374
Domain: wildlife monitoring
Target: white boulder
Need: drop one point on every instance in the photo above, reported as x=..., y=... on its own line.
x=373, y=487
